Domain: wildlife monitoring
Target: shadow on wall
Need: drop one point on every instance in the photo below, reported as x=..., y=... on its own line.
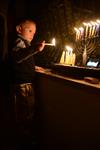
x=4, y=124
x=3, y=51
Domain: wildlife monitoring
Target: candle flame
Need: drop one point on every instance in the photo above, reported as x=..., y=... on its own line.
x=93, y=23
x=85, y=24
x=81, y=29
x=77, y=30
x=98, y=21
x=53, y=41
x=69, y=49
x=89, y=24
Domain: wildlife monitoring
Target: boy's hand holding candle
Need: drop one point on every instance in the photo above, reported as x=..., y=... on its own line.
x=41, y=46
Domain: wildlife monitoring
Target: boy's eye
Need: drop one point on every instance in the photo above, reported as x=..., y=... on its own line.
x=28, y=30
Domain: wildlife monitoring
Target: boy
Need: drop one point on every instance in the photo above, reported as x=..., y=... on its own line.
x=22, y=68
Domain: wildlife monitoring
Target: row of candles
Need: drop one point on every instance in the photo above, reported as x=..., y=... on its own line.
x=68, y=57
x=88, y=30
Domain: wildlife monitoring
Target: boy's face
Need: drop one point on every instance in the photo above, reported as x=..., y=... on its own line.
x=27, y=30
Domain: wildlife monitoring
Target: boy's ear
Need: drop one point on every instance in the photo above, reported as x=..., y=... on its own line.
x=18, y=28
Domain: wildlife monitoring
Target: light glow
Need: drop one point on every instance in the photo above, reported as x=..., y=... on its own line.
x=69, y=49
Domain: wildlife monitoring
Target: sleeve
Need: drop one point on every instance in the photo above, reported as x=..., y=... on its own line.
x=20, y=52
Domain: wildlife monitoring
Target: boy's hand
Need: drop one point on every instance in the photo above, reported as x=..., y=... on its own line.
x=39, y=69
x=41, y=46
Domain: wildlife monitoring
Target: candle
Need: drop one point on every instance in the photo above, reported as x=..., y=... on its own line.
x=67, y=61
x=62, y=57
x=93, y=30
x=51, y=44
x=97, y=30
x=81, y=32
x=90, y=31
x=77, y=34
x=73, y=58
x=86, y=32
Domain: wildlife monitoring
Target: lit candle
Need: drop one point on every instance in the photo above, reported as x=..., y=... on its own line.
x=77, y=34
x=93, y=30
x=67, y=61
x=86, y=34
x=86, y=29
x=69, y=49
x=73, y=58
x=90, y=31
x=51, y=44
x=97, y=29
x=81, y=32
x=62, y=57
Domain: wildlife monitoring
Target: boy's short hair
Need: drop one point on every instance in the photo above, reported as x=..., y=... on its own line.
x=23, y=20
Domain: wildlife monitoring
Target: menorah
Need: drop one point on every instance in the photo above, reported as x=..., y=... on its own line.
x=87, y=39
